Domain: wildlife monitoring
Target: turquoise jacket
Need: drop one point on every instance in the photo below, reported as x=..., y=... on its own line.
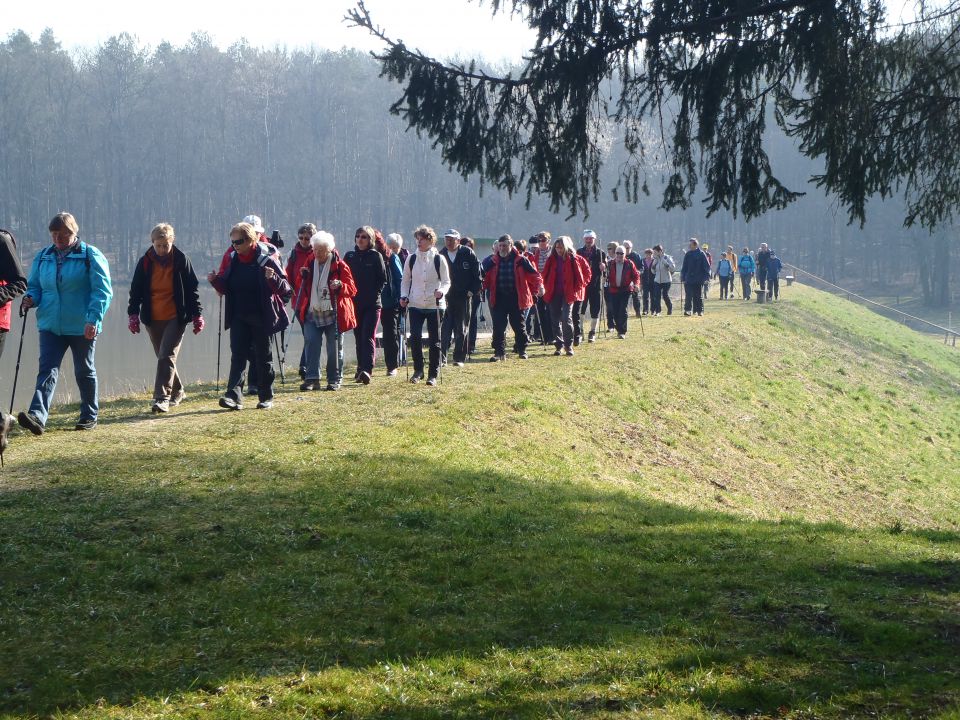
x=80, y=295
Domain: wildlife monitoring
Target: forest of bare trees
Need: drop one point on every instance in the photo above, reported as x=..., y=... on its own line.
x=125, y=136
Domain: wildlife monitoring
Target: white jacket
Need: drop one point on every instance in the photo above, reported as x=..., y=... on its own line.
x=419, y=285
x=663, y=268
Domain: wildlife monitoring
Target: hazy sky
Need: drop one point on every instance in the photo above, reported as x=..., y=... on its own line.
x=463, y=27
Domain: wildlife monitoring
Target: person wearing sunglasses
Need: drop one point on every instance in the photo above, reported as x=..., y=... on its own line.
x=299, y=256
x=369, y=275
x=623, y=279
x=256, y=289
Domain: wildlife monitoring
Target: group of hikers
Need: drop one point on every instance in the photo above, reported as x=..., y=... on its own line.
x=543, y=288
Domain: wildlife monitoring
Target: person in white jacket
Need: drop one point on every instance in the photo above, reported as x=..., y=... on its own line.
x=663, y=268
x=426, y=280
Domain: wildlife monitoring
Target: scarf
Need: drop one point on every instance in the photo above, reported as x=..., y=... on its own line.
x=320, y=292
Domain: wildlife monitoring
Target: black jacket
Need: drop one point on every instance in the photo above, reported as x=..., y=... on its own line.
x=185, y=295
x=598, y=263
x=11, y=270
x=464, y=271
x=695, y=268
x=369, y=274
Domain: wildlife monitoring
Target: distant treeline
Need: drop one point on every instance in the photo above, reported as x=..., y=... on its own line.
x=124, y=136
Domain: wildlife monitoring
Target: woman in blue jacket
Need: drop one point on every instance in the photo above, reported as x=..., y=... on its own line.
x=747, y=268
x=69, y=285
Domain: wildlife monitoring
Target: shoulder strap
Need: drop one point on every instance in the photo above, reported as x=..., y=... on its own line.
x=436, y=264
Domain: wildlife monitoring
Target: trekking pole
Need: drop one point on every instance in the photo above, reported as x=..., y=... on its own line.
x=276, y=345
x=16, y=373
x=403, y=346
x=219, y=332
x=439, y=360
x=642, y=333
x=543, y=330
x=466, y=334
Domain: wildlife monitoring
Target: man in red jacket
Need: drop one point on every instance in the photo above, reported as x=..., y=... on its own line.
x=511, y=282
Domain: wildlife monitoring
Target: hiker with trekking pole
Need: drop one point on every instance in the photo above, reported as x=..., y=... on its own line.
x=623, y=278
x=746, y=267
x=70, y=286
x=164, y=296
x=426, y=281
x=594, y=295
x=256, y=290
x=512, y=283
x=299, y=255
x=369, y=275
x=325, y=309
x=694, y=272
x=663, y=268
x=564, y=279
x=13, y=283
x=464, y=284
x=391, y=310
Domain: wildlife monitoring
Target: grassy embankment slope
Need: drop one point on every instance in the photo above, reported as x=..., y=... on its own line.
x=756, y=513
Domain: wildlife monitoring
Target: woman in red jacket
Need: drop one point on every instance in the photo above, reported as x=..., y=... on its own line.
x=326, y=310
x=563, y=283
x=623, y=278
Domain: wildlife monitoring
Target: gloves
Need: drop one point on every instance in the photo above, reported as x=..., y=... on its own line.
x=133, y=324
x=198, y=324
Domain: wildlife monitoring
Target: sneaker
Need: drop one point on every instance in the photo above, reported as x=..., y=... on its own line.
x=493, y=358
x=310, y=385
x=557, y=352
x=178, y=398
x=264, y=404
x=253, y=390
x=28, y=421
x=365, y=377
x=6, y=425
x=621, y=336
x=416, y=378
x=85, y=425
x=332, y=387
x=523, y=356
x=592, y=337
x=458, y=364
x=700, y=314
x=432, y=381
x=160, y=406
x=392, y=373
x=356, y=375
x=569, y=352
x=644, y=312
x=686, y=313
x=228, y=403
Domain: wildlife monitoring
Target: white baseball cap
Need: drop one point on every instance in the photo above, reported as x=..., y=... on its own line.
x=256, y=222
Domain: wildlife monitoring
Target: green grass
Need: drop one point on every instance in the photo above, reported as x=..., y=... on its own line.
x=753, y=514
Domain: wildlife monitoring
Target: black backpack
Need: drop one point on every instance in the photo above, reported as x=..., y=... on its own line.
x=436, y=263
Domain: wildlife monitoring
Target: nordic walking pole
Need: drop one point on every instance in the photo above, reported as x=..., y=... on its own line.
x=16, y=373
x=439, y=360
x=403, y=347
x=642, y=333
x=466, y=334
x=276, y=345
x=543, y=330
x=219, y=332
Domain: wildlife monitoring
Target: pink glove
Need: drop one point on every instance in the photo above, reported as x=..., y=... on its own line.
x=133, y=324
x=198, y=324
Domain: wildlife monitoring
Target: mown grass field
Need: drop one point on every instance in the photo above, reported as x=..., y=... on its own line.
x=752, y=514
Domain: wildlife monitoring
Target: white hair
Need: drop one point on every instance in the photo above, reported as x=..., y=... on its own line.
x=395, y=239
x=322, y=239
x=628, y=245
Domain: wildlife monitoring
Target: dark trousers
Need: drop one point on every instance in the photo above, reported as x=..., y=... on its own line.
x=417, y=317
x=503, y=312
x=608, y=299
x=745, y=284
x=762, y=277
x=773, y=287
x=577, y=314
x=474, y=317
x=618, y=311
x=247, y=332
x=365, y=337
x=648, y=290
x=726, y=286
x=543, y=320
x=694, y=297
x=662, y=295
x=456, y=326
x=561, y=317
x=594, y=294
x=390, y=324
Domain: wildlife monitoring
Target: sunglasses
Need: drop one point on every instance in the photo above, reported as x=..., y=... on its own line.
x=361, y=237
x=239, y=241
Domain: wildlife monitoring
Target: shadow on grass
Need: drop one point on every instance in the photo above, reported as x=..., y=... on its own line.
x=118, y=588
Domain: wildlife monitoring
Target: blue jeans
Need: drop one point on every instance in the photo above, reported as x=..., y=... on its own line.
x=313, y=339
x=52, y=349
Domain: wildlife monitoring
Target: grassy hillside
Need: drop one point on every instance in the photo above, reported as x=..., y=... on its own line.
x=756, y=514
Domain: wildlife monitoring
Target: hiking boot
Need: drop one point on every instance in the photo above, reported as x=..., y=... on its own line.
x=621, y=336
x=160, y=406
x=6, y=425
x=310, y=385
x=365, y=377
x=432, y=381
x=85, y=424
x=178, y=398
x=264, y=404
x=569, y=352
x=592, y=337
x=392, y=373
x=28, y=421
x=686, y=313
x=332, y=387
x=523, y=356
x=416, y=378
x=557, y=352
x=229, y=403
x=458, y=364
x=577, y=340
